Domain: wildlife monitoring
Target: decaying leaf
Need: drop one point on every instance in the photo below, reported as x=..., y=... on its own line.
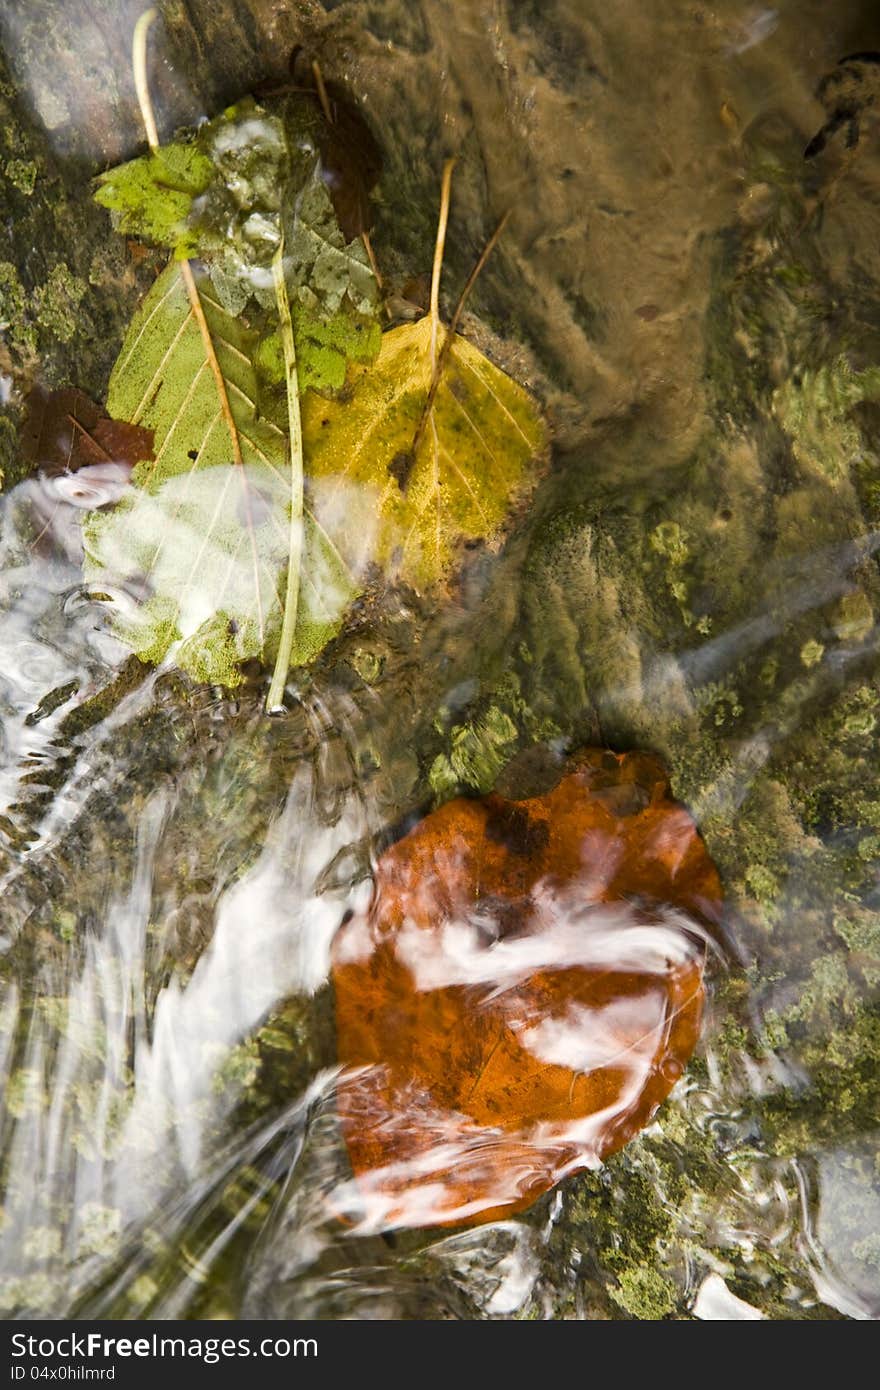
x=471, y=465
x=351, y=161
x=228, y=196
x=64, y=431
x=332, y=292
x=151, y=197
x=523, y=992
x=200, y=544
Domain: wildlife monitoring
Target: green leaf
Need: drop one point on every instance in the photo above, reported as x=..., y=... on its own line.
x=226, y=198
x=152, y=197
x=286, y=643
x=196, y=554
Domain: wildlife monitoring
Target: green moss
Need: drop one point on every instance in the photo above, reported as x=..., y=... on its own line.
x=9, y=450
x=42, y=1243
x=13, y=317
x=325, y=346
x=868, y=1250
x=477, y=753
x=842, y=1060
x=815, y=409
x=812, y=652
x=644, y=1294
x=56, y=303
x=100, y=1229
x=24, y=1093
x=22, y=173
x=239, y=1068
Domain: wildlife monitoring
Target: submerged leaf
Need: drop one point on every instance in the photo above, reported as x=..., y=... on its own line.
x=152, y=197
x=333, y=297
x=329, y=272
x=324, y=348
x=417, y=455
x=200, y=545
x=351, y=163
x=249, y=179
x=64, y=431
x=470, y=466
x=523, y=992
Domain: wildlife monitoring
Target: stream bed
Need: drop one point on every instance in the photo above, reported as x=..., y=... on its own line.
x=696, y=306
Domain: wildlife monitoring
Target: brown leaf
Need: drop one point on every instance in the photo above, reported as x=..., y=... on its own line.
x=64, y=431
x=351, y=163
x=523, y=992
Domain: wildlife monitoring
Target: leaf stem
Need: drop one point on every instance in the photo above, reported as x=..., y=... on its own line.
x=275, y=698
x=142, y=86
x=472, y=278
x=189, y=281
x=87, y=435
x=371, y=257
x=139, y=69
x=440, y=360
x=439, y=245
x=437, y=362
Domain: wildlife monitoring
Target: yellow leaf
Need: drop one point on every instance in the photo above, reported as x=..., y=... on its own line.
x=473, y=459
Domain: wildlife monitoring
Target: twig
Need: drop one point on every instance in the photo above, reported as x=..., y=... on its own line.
x=275, y=698
x=439, y=246
x=90, y=437
x=374, y=265
x=472, y=278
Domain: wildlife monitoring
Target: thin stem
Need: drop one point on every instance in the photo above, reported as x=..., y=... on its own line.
x=472, y=278
x=436, y=362
x=198, y=313
x=275, y=698
x=371, y=257
x=440, y=243
x=86, y=435
x=442, y=359
x=322, y=91
x=139, y=68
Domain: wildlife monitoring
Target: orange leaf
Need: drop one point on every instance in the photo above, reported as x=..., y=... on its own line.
x=523, y=992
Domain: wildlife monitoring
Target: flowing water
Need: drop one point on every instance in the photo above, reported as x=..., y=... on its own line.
x=698, y=308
